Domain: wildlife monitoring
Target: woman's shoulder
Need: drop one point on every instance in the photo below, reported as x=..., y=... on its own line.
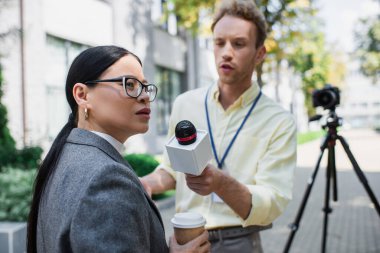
x=86, y=161
x=85, y=167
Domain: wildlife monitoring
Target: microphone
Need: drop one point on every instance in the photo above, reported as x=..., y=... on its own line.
x=185, y=132
x=189, y=150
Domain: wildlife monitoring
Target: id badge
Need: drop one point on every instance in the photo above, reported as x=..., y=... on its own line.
x=215, y=198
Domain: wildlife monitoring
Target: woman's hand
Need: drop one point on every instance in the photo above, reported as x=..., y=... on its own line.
x=197, y=245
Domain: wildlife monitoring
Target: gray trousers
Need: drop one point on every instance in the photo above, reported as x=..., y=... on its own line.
x=250, y=243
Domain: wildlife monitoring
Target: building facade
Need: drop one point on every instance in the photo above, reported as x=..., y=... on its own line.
x=35, y=64
x=360, y=101
x=36, y=61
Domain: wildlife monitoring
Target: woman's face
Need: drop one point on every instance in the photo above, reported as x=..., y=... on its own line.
x=113, y=112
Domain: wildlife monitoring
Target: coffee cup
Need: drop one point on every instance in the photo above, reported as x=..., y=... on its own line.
x=187, y=226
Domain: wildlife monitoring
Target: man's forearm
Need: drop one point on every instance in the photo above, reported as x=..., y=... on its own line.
x=236, y=195
x=158, y=181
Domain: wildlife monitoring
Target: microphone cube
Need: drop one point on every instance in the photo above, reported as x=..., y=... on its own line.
x=192, y=158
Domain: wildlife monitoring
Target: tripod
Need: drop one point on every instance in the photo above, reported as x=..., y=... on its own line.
x=333, y=121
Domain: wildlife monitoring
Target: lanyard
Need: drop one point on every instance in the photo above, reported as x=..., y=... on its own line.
x=220, y=163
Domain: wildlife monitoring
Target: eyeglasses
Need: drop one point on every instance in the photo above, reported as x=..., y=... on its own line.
x=132, y=86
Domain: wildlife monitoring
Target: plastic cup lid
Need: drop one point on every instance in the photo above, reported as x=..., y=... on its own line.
x=188, y=220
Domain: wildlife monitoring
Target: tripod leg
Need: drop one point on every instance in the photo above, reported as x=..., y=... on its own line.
x=360, y=174
x=294, y=226
x=332, y=165
x=330, y=174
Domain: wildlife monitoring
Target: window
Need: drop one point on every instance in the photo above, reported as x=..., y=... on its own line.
x=169, y=87
x=157, y=14
x=60, y=53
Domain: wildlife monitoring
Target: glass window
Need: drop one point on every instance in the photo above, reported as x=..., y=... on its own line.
x=169, y=87
x=60, y=54
x=168, y=23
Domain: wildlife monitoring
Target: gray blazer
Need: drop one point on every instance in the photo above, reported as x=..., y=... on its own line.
x=94, y=202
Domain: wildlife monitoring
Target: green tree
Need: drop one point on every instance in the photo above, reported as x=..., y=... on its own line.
x=25, y=158
x=190, y=12
x=312, y=61
x=28, y=157
x=288, y=30
x=367, y=35
x=305, y=49
x=16, y=193
x=7, y=143
x=289, y=39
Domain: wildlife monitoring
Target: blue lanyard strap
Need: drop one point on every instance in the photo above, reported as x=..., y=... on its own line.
x=220, y=163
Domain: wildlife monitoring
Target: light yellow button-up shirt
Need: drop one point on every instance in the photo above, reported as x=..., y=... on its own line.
x=262, y=158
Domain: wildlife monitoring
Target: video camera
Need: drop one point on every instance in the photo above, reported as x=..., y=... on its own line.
x=328, y=97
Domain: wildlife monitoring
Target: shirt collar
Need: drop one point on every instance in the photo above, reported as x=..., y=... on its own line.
x=244, y=100
x=115, y=143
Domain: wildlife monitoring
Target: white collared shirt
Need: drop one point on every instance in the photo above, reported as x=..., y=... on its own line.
x=115, y=143
x=262, y=158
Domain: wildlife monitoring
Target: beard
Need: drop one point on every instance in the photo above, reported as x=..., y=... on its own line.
x=235, y=77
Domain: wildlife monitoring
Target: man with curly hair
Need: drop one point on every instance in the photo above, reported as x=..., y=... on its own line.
x=249, y=182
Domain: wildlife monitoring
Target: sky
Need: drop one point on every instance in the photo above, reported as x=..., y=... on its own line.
x=340, y=17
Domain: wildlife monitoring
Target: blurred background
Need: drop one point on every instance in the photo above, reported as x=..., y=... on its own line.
x=310, y=43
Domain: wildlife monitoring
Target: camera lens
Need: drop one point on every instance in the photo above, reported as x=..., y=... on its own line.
x=327, y=99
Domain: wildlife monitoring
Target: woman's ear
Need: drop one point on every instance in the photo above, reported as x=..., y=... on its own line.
x=80, y=92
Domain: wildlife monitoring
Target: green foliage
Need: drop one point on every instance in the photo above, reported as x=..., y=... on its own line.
x=294, y=35
x=310, y=58
x=289, y=39
x=26, y=158
x=309, y=136
x=7, y=144
x=189, y=12
x=142, y=164
x=283, y=41
x=163, y=195
x=16, y=193
x=367, y=37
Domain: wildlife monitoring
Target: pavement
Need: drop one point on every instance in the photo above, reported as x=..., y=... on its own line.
x=354, y=224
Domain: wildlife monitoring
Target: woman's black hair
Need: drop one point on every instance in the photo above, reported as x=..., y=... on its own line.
x=87, y=66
